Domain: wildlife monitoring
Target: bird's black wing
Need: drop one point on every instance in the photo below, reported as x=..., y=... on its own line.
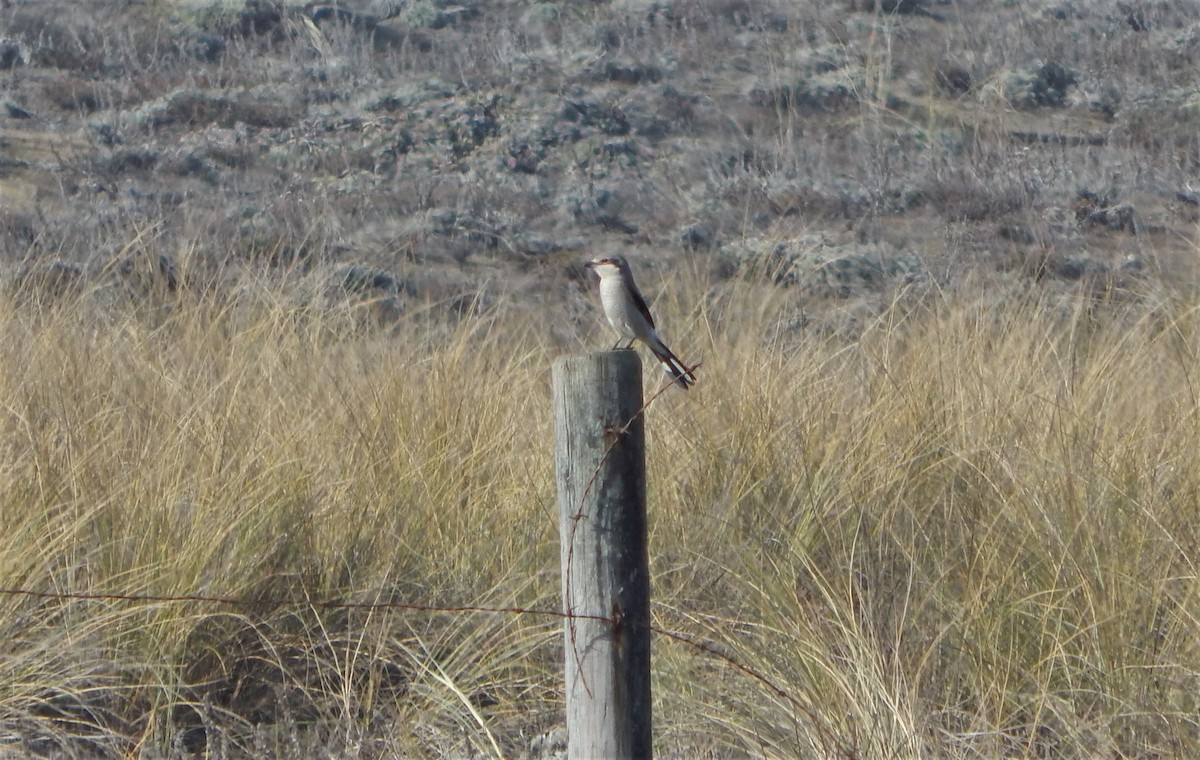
x=640, y=302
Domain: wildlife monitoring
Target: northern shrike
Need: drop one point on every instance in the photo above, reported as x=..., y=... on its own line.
x=628, y=314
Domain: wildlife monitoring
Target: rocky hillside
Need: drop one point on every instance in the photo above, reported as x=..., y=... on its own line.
x=455, y=154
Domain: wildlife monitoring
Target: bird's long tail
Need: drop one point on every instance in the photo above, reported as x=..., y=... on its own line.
x=671, y=363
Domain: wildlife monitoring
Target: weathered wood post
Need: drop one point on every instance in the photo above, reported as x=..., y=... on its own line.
x=600, y=463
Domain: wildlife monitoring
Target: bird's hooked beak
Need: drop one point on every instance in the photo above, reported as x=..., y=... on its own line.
x=590, y=265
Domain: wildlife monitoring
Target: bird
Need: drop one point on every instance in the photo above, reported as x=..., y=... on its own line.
x=627, y=312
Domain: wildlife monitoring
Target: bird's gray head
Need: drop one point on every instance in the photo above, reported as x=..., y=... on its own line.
x=609, y=265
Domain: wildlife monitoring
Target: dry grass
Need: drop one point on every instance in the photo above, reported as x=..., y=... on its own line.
x=969, y=533
x=263, y=455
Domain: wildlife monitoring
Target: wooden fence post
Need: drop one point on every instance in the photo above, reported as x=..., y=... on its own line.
x=600, y=463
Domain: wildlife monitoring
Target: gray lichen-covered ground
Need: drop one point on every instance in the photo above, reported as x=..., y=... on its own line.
x=482, y=149
x=279, y=288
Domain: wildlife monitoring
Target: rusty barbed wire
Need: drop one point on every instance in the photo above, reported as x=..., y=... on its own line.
x=229, y=601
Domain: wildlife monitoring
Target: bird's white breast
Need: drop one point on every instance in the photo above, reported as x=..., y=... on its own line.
x=617, y=305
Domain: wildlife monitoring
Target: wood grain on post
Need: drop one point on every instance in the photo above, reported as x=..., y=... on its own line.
x=600, y=463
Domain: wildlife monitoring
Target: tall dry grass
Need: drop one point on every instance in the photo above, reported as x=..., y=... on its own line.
x=969, y=532
x=266, y=452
